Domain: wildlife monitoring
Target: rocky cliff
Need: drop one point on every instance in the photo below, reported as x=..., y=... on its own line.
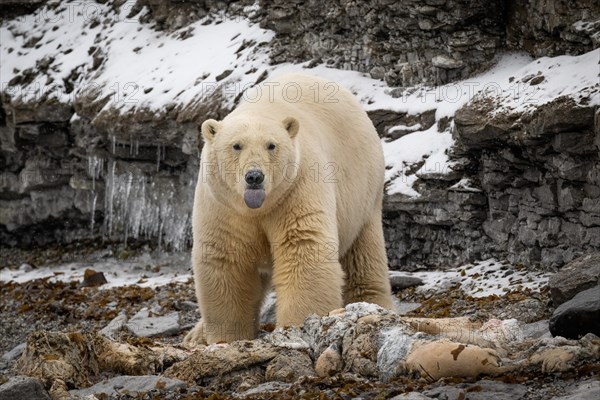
x=99, y=138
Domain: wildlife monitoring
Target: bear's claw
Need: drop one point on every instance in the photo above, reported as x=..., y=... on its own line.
x=195, y=337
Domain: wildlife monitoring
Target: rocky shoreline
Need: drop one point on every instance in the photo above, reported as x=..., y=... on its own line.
x=150, y=321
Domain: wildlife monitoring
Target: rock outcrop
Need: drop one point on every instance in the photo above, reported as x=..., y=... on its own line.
x=405, y=43
x=86, y=164
x=538, y=194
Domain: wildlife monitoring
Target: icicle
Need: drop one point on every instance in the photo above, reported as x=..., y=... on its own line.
x=158, y=157
x=111, y=196
x=138, y=206
x=91, y=171
x=93, y=212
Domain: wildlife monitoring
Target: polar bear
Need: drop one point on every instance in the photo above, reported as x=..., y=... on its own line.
x=291, y=185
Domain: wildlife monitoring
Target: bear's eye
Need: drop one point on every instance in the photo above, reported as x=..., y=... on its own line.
x=271, y=146
x=237, y=147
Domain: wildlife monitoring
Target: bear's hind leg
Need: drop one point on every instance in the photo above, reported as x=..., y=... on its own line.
x=365, y=265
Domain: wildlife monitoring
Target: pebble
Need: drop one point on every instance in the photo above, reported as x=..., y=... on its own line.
x=537, y=80
x=526, y=311
x=25, y=267
x=92, y=278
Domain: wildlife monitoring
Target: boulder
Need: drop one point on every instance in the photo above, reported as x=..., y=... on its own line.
x=578, y=316
x=23, y=387
x=578, y=275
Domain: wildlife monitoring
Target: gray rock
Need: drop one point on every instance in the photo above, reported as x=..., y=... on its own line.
x=25, y=267
x=411, y=396
x=115, y=326
x=446, y=62
x=267, y=387
x=399, y=282
x=584, y=390
x=268, y=310
x=23, y=387
x=377, y=72
x=187, y=305
x=143, y=325
x=404, y=307
x=578, y=275
x=446, y=393
x=132, y=385
x=578, y=316
x=15, y=352
x=536, y=330
x=527, y=311
x=480, y=390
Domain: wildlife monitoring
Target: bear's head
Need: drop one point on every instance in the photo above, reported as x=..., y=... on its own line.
x=252, y=161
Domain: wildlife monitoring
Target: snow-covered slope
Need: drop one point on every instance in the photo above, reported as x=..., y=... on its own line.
x=71, y=49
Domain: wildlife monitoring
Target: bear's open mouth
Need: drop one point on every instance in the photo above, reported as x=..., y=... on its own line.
x=254, y=198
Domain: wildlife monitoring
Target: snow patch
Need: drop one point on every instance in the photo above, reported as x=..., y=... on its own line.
x=143, y=271
x=486, y=278
x=429, y=147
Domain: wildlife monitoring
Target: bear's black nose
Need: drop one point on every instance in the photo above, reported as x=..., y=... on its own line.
x=254, y=177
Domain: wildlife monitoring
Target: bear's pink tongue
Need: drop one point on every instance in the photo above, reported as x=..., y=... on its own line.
x=254, y=197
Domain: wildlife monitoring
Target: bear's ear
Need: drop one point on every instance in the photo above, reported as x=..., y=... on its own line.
x=291, y=125
x=209, y=129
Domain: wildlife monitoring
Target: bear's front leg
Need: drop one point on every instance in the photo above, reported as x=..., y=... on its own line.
x=307, y=276
x=229, y=291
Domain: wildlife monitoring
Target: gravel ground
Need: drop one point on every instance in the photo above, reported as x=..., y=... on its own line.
x=43, y=304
